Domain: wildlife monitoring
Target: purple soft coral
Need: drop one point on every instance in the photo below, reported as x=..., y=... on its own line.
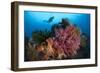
x=67, y=39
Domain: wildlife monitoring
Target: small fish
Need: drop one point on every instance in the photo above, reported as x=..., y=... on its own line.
x=49, y=20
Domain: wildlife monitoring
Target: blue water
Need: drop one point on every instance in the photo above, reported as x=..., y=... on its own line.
x=36, y=21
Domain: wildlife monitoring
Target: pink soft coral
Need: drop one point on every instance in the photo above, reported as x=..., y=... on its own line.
x=67, y=39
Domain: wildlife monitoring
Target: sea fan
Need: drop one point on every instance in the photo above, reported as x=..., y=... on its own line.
x=67, y=39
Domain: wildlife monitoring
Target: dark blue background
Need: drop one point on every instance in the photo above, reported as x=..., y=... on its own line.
x=35, y=21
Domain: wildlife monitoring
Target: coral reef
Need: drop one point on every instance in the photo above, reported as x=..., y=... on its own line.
x=62, y=42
